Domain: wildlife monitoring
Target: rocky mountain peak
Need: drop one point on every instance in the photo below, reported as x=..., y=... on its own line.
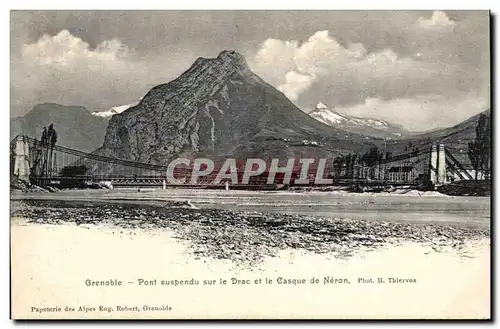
x=321, y=106
x=232, y=56
x=227, y=63
x=218, y=107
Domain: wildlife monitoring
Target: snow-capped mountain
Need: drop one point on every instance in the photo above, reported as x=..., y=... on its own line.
x=366, y=126
x=114, y=110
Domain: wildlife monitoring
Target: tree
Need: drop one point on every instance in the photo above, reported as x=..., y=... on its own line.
x=51, y=142
x=350, y=161
x=37, y=154
x=479, y=150
x=12, y=158
x=45, y=150
x=343, y=165
x=70, y=171
x=474, y=156
x=73, y=176
x=371, y=159
x=338, y=164
x=486, y=147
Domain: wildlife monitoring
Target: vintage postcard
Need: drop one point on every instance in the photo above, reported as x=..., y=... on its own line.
x=250, y=164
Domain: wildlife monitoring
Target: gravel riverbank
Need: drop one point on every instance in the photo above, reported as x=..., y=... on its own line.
x=246, y=238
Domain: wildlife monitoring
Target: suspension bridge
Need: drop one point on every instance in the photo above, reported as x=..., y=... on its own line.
x=44, y=164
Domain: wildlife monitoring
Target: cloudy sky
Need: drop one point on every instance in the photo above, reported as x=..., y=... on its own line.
x=421, y=69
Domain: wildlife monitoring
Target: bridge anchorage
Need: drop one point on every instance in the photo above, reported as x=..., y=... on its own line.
x=45, y=164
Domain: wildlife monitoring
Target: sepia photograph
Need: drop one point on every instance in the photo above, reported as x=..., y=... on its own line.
x=250, y=164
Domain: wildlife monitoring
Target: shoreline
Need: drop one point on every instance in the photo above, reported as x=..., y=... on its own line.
x=158, y=194
x=294, y=191
x=458, y=211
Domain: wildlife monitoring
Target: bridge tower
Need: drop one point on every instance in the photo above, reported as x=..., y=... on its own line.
x=441, y=167
x=22, y=164
x=433, y=168
x=437, y=168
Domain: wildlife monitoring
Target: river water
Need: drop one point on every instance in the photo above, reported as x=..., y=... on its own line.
x=414, y=208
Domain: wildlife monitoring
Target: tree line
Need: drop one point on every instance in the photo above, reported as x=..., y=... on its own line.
x=43, y=156
x=344, y=165
x=479, y=150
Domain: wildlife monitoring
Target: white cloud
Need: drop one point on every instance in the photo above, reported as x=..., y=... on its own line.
x=385, y=84
x=276, y=56
x=294, y=68
x=319, y=52
x=65, y=69
x=295, y=83
x=439, y=19
x=64, y=49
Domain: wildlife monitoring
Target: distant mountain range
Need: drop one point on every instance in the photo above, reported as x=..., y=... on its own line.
x=219, y=108
x=365, y=126
x=76, y=127
x=456, y=138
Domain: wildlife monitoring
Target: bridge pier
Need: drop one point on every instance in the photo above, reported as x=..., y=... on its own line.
x=441, y=167
x=437, y=168
x=22, y=164
x=433, y=167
